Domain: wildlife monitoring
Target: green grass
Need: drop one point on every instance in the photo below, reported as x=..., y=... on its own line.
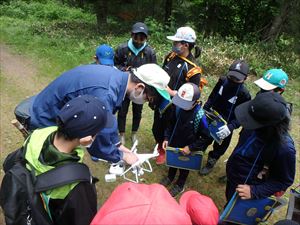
x=58, y=38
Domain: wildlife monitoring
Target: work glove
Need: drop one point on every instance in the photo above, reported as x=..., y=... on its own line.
x=223, y=132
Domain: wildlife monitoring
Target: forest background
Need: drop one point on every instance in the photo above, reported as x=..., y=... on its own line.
x=59, y=35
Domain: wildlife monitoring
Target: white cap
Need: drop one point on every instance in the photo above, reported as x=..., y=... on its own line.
x=186, y=96
x=184, y=34
x=153, y=75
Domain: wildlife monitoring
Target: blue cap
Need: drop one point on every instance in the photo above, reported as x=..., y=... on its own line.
x=105, y=55
x=84, y=116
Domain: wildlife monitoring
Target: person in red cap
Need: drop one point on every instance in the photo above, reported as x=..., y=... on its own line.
x=141, y=204
x=201, y=208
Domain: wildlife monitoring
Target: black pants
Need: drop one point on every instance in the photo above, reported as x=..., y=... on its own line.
x=183, y=174
x=218, y=150
x=160, y=123
x=136, y=115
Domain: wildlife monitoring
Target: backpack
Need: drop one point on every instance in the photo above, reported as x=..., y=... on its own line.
x=193, y=71
x=21, y=193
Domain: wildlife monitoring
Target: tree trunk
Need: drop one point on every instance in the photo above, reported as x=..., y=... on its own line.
x=279, y=21
x=101, y=13
x=168, y=11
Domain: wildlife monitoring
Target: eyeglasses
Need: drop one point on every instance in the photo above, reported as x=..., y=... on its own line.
x=139, y=37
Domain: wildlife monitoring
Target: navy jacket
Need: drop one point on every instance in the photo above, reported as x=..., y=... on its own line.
x=105, y=82
x=125, y=58
x=280, y=159
x=185, y=128
x=177, y=69
x=225, y=97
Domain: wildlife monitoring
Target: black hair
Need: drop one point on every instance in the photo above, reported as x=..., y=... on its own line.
x=275, y=134
x=61, y=132
x=197, y=50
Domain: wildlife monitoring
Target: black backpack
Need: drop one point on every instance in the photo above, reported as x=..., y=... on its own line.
x=21, y=191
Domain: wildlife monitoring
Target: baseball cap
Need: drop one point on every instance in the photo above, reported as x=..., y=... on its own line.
x=132, y=203
x=139, y=28
x=83, y=116
x=186, y=96
x=105, y=55
x=266, y=109
x=184, y=34
x=153, y=75
x=272, y=79
x=239, y=69
x=201, y=208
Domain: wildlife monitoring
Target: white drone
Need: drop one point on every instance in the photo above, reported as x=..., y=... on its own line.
x=138, y=168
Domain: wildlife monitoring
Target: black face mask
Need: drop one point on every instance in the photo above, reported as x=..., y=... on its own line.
x=137, y=45
x=156, y=102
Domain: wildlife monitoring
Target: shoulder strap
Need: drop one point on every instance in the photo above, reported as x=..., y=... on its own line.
x=62, y=175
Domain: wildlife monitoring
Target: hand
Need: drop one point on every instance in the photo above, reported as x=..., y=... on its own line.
x=130, y=158
x=186, y=150
x=244, y=191
x=124, y=149
x=164, y=145
x=223, y=132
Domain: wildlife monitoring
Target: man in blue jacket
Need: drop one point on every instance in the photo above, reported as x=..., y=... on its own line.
x=146, y=83
x=264, y=160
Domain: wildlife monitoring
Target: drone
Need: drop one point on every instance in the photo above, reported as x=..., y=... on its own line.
x=141, y=166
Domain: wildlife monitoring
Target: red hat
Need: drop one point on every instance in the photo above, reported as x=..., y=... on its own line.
x=132, y=203
x=201, y=208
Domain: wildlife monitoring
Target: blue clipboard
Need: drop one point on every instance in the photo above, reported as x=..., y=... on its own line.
x=215, y=121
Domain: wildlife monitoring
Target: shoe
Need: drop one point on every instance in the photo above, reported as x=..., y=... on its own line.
x=165, y=181
x=133, y=137
x=117, y=168
x=122, y=138
x=161, y=158
x=211, y=162
x=176, y=190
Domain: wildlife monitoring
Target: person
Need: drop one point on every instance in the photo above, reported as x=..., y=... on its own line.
x=147, y=204
x=78, y=122
x=104, y=55
x=273, y=80
x=201, y=208
x=228, y=93
x=146, y=83
x=181, y=67
x=183, y=131
x=132, y=54
x=263, y=161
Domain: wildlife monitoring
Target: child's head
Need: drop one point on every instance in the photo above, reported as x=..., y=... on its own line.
x=238, y=71
x=187, y=96
x=104, y=55
x=82, y=117
x=273, y=80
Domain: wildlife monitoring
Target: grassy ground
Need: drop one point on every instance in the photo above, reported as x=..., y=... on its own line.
x=53, y=47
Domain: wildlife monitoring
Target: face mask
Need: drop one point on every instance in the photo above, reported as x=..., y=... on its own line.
x=176, y=49
x=137, y=45
x=137, y=99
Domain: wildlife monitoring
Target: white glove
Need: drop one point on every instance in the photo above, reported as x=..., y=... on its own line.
x=223, y=132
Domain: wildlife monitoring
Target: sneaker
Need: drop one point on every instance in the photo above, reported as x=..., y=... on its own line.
x=176, y=190
x=161, y=158
x=211, y=162
x=117, y=168
x=165, y=181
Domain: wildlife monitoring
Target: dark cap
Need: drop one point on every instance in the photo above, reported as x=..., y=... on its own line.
x=266, y=109
x=239, y=69
x=84, y=116
x=139, y=28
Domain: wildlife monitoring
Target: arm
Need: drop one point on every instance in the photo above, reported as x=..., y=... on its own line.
x=210, y=101
x=120, y=59
x=281, y=174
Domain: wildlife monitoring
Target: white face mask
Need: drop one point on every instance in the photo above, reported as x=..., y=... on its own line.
x=137, y=99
